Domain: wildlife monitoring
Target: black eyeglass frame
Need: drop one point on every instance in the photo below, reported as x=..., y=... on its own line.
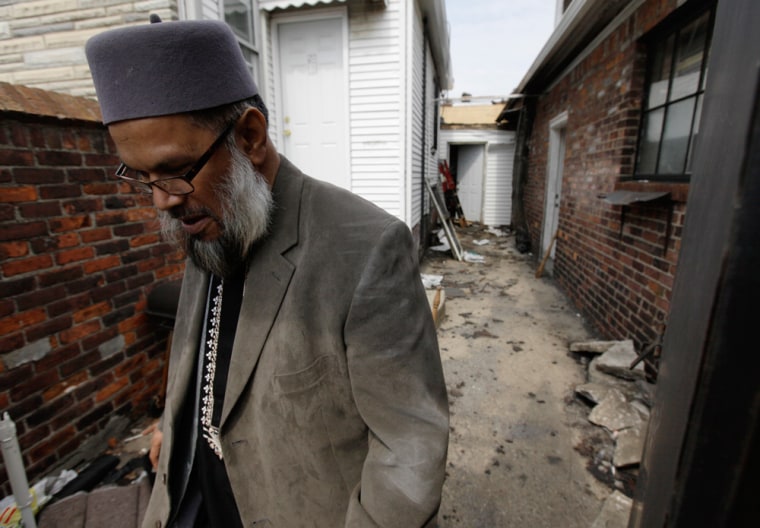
x=147, y=186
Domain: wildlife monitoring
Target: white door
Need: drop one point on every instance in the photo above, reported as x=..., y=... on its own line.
x=313, y=90
x=470, y=180
x=557, y=129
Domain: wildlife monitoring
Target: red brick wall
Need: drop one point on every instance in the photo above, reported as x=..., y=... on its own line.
x=621, y=283
x=78, y=255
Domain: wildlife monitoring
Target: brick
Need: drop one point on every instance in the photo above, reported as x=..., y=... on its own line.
x=40, y=297
x=62, y=275
x=99, y=412
x=10, y=157
x=59, y=158
x=48, y=328
x=27, y=265
x=7, y=307
x=18, y=194
x=7, y=212
x=136, y=256
x=95, y=235
x=13, y=249
x=14, y=287
x=91, y=312
x=109, y=291
x=50, y=446
x=129, y=230
x=110, y=218
x=120, y=202
x=80, y=362
x=117, y=316
x=75, y=255
x=71, y=414
x=33, y=385
x=87, y=175
x=84, y=284
x=114, y=246
x=101, y=264
x=111, y=390
x=145, y=240
x=58, y=356
x=71, y=223
x=23, y=231
x=83, y=205
x=55, y=192
x=40, y=210
x=22, y=320
x=79, y=332
x=106, y=365
x=35, y=176
x=140, y=280
x=11, y=342
x=144, y=213
x=49, y=410
x=120, y=273
x=100, y=189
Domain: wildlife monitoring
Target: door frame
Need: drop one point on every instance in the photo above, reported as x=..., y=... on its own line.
x=340, y=12
x=554, y=174
x=483, y=182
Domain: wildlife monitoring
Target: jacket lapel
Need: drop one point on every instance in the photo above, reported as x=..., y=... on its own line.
x=269, y=275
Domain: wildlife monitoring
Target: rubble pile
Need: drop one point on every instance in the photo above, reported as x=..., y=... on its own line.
x=619, y=399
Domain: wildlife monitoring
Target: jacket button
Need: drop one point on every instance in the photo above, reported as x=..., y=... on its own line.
x=158, y=524
x=163, y=479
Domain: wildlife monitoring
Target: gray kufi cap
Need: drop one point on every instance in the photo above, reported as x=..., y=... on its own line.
x=167, y=68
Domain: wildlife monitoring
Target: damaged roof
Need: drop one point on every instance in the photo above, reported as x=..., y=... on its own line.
x=470, y=116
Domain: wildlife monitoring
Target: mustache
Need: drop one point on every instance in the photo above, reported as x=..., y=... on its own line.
x=180, y=212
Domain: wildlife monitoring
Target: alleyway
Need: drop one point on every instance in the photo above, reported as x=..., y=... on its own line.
x=515, y=423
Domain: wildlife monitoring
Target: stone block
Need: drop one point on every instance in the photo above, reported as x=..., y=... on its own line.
x=615, y=413
x=617, y=361
x=615, y=512
x=629, y=445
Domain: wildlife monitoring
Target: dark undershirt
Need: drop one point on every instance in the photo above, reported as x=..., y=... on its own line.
x=218, y=508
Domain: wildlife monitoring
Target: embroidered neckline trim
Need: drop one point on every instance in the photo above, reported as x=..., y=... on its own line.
x=210, y=432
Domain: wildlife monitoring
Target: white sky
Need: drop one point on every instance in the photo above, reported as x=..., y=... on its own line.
x=494, y=42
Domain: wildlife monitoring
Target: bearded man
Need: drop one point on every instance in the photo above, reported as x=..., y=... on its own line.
x=305, y=383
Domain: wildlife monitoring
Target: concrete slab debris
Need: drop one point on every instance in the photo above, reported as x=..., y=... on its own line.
x=629, y=445
x=617, y=360
x=615, y=512
x=614, y=412
x=592, y=347
x=594, y=392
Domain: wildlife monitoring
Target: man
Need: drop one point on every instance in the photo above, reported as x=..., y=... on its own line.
x=305, y=384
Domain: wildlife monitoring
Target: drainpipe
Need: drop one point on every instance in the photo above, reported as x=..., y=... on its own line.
x=520, y=175
x=14, y=466
x=423, y=156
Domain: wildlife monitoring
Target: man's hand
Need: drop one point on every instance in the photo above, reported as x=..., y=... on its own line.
x=155, y=443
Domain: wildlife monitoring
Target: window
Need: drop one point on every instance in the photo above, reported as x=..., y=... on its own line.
x=674, y=92
x=239, y=15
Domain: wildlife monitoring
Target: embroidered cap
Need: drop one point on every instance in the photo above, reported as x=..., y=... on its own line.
x=167, y=68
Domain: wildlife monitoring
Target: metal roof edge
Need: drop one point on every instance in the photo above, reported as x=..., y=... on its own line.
x=440, y=41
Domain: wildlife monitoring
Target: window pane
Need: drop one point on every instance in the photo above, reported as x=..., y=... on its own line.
x=691, y=47
x=238, y=14
x=660, y=73
x=675, y=137
x=694, y=134
x=650, y=141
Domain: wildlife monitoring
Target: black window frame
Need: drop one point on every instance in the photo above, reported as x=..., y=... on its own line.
x=654, y=42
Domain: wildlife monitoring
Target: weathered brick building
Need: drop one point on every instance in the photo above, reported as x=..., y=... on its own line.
x=608, y=121
x=79, y=253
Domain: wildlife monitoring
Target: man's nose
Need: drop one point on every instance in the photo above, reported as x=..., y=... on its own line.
x=165, y=201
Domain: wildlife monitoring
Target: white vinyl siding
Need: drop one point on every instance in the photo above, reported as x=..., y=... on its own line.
x=417, y=71
x=375, y=116
x=497, y=194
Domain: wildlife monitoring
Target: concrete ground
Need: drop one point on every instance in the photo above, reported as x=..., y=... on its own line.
x=516, y=427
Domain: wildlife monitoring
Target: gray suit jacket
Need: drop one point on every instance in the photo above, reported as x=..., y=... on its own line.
x=336, y=411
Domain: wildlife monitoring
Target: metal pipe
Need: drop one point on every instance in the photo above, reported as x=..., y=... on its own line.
x=15, y=469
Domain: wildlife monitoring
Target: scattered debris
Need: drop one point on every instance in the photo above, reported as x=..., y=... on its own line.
x=617, y=361
x=469, y=256
x=431, y=281
x=621, y=400
x=482, y=242
x=615, y=511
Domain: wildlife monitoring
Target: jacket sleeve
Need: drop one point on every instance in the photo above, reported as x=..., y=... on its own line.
x=398, y=386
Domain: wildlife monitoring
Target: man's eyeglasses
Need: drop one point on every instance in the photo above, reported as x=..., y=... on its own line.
x=177, y=185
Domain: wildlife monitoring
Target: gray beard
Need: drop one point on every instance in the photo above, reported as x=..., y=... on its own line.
x=246, y=203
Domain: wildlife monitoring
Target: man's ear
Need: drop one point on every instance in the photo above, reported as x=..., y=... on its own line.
x=251, y=129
